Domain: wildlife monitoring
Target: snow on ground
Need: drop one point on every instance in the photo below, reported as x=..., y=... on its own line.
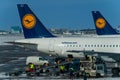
x=2, y=64
x=65, y=79
x=4, y=77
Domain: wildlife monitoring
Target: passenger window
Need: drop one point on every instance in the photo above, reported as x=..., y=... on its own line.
x=76, y=45
x=67, y=45
x=94, y=45
x=97, y=45
x=113, y=45
x=91, y=45
x=104, y=45
x=110, y=45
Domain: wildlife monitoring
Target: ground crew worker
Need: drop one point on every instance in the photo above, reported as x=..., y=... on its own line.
x=62, y=69
x=71, y=73
x=32, y=67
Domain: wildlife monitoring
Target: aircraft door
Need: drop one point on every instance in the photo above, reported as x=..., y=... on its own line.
x=51, y=46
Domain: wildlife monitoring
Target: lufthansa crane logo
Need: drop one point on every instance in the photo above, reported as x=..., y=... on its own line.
x=29, y=21
x=100, y=23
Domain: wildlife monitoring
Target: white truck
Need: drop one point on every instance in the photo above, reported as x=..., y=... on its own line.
x=36, y=60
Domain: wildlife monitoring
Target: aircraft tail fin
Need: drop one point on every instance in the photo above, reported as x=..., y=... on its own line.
x=32, y=26
x=101, y=24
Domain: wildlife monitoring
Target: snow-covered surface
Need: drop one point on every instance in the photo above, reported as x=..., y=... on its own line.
x=22, y=77
x=2, y=65
x=9, y=38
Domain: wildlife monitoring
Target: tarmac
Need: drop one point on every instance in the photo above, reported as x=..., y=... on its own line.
x=13, y=58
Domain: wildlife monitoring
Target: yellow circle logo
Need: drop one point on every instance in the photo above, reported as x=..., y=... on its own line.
x=100, y=23
x=29, y=21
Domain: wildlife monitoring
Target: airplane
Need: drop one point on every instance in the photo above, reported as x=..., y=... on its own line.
x=37, y=37
x=102, y=26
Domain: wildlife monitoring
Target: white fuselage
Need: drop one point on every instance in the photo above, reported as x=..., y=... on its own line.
x=60, y=45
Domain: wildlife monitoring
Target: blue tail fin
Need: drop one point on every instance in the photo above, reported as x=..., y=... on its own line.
x=32, y=27
x=101, y=24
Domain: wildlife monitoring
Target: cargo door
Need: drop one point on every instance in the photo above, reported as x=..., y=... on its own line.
x=51, y=46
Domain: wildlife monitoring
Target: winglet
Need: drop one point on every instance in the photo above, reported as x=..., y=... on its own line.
x=32, y=26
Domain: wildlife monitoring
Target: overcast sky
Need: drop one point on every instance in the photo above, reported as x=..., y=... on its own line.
x=70, y=14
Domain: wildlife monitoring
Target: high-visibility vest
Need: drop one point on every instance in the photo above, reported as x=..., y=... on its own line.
x=62, y=67
x=32, y=66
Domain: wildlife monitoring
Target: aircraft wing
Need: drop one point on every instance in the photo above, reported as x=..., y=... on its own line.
x=92, y=52
x=78, y=51
x=107, y=57
x=26, y=45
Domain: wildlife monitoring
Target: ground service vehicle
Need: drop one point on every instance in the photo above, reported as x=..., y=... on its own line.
x=36, y=60
x=92, y=68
